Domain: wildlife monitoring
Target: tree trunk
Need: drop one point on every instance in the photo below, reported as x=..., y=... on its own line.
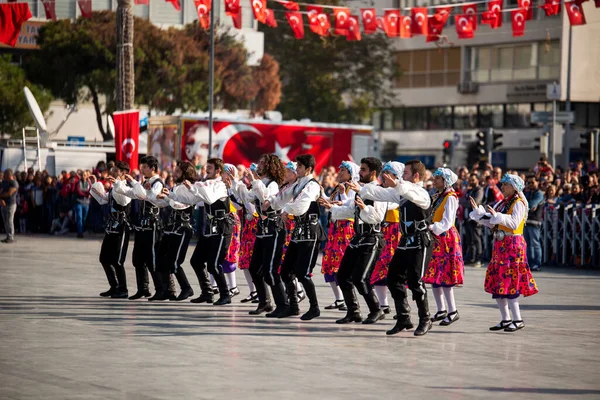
x=125, y=69
x=105, y=135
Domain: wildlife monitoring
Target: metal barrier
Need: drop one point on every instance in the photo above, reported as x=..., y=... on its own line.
x=571, y=234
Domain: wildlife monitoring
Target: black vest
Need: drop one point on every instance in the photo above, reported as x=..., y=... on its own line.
x=362, y=229
x=118, y=218
x=149, y=213
x=414, y=225
x=307, y=225
x=180, y=221
x=269, y=221
x=219, y=219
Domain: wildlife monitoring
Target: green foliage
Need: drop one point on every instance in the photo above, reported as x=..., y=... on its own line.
x=14, y=113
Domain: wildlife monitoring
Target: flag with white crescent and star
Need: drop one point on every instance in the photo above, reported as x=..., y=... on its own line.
x=464, y=29
x=203, y=8
x=575, y=12
x=493, y=16
x=518, y=18
x=369, y=19
x=258, y=8
x=318, y=22
x=341, y=15
x=391, y=22
x=551, y=7
x=127, y=136
x=296, y=22
x=419, y=21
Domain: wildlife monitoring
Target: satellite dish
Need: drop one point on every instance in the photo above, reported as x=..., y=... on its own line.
x=38, y=117
x=110, y=125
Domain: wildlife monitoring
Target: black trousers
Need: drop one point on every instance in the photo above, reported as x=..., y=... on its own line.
x=172, y=251
x=299, y=262
x=355, y=270
x=145, y=249
x=264, y=267
x=208, y=256
x=473, y=240
x=112, y=257
x=407, y=267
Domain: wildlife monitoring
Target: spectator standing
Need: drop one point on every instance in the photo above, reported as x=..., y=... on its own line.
x=37, y=205
x=8, y=203
x=82, y=201
x=473, y=231
x=533, y=224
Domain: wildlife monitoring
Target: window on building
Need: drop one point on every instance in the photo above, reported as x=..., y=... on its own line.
x=580, y=113
x=376, y=120
x=398, y=118
x=594, y=115
x=440, y=118
x=465, y=117
x=491, y=116
x=429, y=68
x=516, y=62
x=543, y=107
x=415, y=118
x=388, y=120
x=518, y=115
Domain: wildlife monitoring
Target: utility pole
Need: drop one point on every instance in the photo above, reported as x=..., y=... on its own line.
x=125, y=92
x=211, y=79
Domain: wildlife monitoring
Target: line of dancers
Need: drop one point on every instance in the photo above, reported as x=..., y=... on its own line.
x=385, y=232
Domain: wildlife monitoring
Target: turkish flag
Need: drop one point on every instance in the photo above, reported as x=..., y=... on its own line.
x=391, y=23
x=575, y=13
x=354, y=28
x=380, y=24
x=50, y=9
x=203, y=8
x=12, y=17
x=141, y=2
x=341, y=15
x=175, y=3
x=258, y=8
x=406, y=27
x=290, y=5
x=318, y=21
x=551, y=7
x=232, y=7
x=369, y=18
x=434, y=28
x=518, y=18
x=526, y=4
x=493, y=17
x=470, y=10
x=270, y=18
x=464, y=29
x=419, y=21
x=127, y=136
x=86, y=8
x=296, y=22
x=237, y=20
x=442, y=14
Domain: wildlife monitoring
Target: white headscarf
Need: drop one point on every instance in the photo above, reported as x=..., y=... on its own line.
x=394, y=167
x=292, y=165
x=353, y=169
x=516, y=182
x=447, y=175
x=231, y=170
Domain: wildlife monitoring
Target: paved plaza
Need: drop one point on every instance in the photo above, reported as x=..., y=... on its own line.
x=59, y=340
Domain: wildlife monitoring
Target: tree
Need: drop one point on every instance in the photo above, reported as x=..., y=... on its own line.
x=14, y=113
x=329, y=78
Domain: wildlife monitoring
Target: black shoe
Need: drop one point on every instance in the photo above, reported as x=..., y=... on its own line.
x=289, y=311
x=119, y=295
x=515, y=326
x=7, y=240
x=215, y=290
x=252, y=296
x=450, y=319
x=440, y=315
x=234, y=292
x=401, y=325
x=185, y=294
x=312, y=313
x=338, y=304
x=277, y=313
x=108, y=293
x=501, y=325
x=386, y=309
x=223, y=300
x=172, y=297
x=203, y=298
x=350, y=317
x=139, y=295
x=374, y=317
x=424, y=326
x=301, y=295
x=159, y=297
x=266, y=307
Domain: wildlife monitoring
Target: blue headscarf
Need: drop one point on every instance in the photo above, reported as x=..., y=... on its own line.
x=352, y=168
x=292, y=165
x=231, y=170
x=447, y=175
x=394, y=167
x=253, y=167
x=514, y=180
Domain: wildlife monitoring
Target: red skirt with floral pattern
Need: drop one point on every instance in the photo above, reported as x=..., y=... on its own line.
x=338, y=238
x=233, y=254
x=247, y=243
x=446, y=267
x=391, y=235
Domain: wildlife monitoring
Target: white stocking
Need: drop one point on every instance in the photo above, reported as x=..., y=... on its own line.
x=449, y=295
x=503, y=306
x=337, y=292
x=381, y=292
x=299, y=287
x=515, y=309
x=231, y=281
x=439, y=299
x=249, y=280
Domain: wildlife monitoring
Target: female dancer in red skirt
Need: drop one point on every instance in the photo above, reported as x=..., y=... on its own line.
x=508, y=275
x=446, y=267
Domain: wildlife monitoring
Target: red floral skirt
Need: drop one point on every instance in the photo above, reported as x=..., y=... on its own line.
x=446, y=267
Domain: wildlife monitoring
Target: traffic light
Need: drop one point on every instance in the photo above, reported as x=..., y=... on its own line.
x=496, y=141
x=541, y=143
x=481, y=144
x=448, y=152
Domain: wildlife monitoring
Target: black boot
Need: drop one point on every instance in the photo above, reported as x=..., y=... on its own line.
x=281, y=301
x=262, y=307
x=159, y=296
x=292, y=309
x=121, y=279
x=375, y=312
x=185, y=294
x=311, y=293
x=424, y=326
x=225, y=296
x=424, y=317
x=351, y=316
x=139, y=294
x=205, y=297
x=403, y=312
x=141, y=276
x=108, y=293
x=401, y=324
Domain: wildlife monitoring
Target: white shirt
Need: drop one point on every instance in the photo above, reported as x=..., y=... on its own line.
x=374, y=214
x=511, y=221
x=206, y=192
x=310, y=191
x=137, y=190
x=99, y=193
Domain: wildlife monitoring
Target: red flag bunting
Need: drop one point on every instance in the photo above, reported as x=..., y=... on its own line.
x=290, y=5
x=353, y=28
x=127, y=133
x=575, y=13
x=175, y=3
x=85, y=6
x=369, y=18
x=442, y=14
x=141, y=2
x=259, y=7
x=50, y=9
x=406, y=27
x=419, y=20
x=526, y=4
x=270, y=18
x=434, y=28
x=341, y=15
x=391, y=23
x=295, y=20
x=493, y=17
x=318, y=21
x=551, y=7
x=518, y=18
x=380, y=24
x=464, y=29
x=232, y=7
x=237, y=20
x=203, y=8
x=12, y=16
x=470, y=10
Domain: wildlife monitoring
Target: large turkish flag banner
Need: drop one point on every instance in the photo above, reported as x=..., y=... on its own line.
x=127, y=136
